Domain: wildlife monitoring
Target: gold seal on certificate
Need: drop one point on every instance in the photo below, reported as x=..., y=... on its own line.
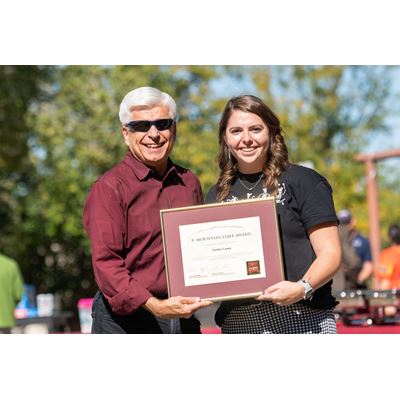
x=222, y=251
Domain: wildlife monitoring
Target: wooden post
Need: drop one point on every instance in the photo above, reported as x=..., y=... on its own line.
x=372, y=196
x=373, y=209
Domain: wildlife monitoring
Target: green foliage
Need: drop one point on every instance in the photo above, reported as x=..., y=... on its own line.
x=20, y=89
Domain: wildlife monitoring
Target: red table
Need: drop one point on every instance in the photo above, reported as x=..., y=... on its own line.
x=372, y=329
x=342, y=329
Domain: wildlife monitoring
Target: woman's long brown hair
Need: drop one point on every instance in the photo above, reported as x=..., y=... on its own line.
x=277, y=155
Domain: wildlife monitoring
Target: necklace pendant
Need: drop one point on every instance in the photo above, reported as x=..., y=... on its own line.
x=251, y=188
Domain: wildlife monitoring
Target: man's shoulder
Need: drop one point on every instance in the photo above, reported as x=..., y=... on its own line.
x=360, y=238
x=115, y=174
x=391, y=251
x=362, y=244
x=111, y=182
x=7, y=261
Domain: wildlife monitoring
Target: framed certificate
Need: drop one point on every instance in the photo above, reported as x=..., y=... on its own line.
x=222, y=251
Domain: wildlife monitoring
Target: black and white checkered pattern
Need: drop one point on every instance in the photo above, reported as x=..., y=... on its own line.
x=266, y=317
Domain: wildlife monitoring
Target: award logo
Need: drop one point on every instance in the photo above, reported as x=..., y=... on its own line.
x=253, y=267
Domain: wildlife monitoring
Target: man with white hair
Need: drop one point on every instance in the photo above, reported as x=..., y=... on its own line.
x=122, y=219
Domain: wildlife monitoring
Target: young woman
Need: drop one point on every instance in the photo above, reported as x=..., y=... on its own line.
x=253, y=161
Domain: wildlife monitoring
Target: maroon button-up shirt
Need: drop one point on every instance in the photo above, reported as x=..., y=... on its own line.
x=122, y=219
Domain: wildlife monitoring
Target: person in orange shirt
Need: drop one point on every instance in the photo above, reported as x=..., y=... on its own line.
x=387, y=273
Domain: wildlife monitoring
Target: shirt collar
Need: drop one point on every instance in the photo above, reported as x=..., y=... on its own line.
x=142, y=171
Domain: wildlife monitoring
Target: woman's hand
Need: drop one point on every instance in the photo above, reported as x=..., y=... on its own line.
x=326, y=245
x=283, y=293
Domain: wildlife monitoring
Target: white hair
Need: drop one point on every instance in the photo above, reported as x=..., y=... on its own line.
x=145, y=97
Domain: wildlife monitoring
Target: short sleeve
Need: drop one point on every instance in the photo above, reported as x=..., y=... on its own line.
x=367, y=255
x=211, y=195
x=318, y=206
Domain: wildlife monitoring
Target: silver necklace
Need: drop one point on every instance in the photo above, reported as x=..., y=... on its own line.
x=251, y=188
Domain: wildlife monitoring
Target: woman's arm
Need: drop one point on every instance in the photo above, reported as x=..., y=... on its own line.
x=325, y=242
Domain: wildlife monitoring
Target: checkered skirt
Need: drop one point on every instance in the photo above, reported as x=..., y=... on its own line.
x=267, y=317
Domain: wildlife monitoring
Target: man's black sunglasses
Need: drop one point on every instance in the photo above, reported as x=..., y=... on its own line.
x=144, y=126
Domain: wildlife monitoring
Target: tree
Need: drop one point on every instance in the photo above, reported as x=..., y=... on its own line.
x=328, y=114
x=75, y=137
x=20, y=88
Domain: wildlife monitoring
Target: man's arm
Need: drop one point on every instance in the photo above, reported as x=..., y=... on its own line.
x=18, y=284
x=182, y=307
x=366, y=271
x=104, y=223
x=367, y=267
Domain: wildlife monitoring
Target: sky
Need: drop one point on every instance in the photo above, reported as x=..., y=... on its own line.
x=386, y=142
x=381, y=142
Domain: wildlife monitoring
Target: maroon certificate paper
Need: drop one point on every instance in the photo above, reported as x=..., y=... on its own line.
x=222, y=251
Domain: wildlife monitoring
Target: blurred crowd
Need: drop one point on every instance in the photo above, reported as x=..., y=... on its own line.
x=358, y=271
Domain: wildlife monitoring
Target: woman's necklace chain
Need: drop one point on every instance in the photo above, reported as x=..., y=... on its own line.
x=251, y=188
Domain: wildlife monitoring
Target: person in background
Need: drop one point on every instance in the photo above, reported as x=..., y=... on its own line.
x=387, y=272
x=350, y=264
x=11, y=290
x=357, y=279
x=253, y=161
x=122, y=219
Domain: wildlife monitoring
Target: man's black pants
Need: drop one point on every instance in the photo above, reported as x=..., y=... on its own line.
x=141, y=321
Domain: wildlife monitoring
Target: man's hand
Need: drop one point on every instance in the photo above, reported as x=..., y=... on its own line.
x=175, y=307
